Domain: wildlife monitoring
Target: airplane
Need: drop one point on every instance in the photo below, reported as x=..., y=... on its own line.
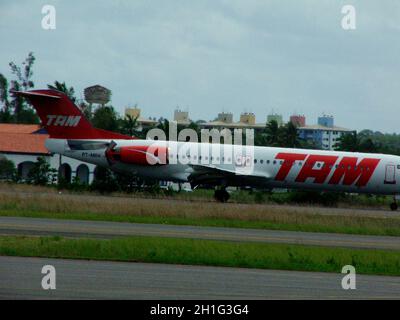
x=72, y=135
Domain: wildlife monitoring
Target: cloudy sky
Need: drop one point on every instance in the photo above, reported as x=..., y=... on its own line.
x=207, y=56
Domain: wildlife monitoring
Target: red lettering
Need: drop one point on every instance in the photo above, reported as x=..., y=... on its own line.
x=288, y=161
x=350, y=170
x=320, y=174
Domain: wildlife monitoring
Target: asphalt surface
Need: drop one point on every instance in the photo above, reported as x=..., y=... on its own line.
x=103, y=229
x=20, y=278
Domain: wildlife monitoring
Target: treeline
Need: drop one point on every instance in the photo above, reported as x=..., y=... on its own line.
x=41, y=172
x=15, y=109
x=104, y=181
x=370, y=142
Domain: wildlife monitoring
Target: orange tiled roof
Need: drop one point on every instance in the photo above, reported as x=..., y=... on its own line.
x=18, y=128
x=19, y=138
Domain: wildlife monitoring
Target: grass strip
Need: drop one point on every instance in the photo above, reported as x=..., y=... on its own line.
x=312, y=223
x=206, y=252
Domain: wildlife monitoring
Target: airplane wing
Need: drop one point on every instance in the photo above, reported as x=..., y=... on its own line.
x=206, y=174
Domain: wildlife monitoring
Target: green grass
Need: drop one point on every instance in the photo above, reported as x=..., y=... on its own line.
x=17, y=202
x=236, y=196
x=206, y=252
x=310, y=223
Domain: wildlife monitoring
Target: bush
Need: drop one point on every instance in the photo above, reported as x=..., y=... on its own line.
x=259, y=197
x=8, y=171
x=315, y=197
x=104, y=181
x=75, y=185
x=41, y=173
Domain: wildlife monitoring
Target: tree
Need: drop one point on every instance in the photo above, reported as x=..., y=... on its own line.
x=367, y=145
x=129, y=125
x=128, y=182
x=8, y=171
x=288, y=137
x=163, y=124
x=23, y=113
x=15, y=109
x=86, y=109
x=70, y=92
x=5, y=112
x=24, y=76
x=104, y=181
x=348, y=142
x=272, y=133
x=42, y=173
x=105, y=117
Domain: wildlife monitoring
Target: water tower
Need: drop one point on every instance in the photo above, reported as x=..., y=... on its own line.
x=97, y=94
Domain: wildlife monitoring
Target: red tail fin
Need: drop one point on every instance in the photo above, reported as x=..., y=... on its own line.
x=62, y=118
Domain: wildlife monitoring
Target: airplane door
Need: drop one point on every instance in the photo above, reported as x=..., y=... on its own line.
x=390, y=173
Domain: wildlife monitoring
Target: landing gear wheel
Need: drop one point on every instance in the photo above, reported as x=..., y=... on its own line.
x=221, y=195
x=393, y=206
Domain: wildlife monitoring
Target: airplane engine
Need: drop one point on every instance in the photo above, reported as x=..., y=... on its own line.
x=139, y=155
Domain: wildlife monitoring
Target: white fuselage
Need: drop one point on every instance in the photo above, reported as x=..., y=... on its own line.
x=273, y=167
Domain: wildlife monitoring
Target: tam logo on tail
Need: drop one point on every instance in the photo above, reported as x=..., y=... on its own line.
x=62, y=118
x=64, y=121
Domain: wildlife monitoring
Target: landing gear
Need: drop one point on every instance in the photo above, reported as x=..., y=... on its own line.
x=221, y=195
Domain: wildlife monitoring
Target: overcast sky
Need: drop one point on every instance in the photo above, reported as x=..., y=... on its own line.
x=207, y=56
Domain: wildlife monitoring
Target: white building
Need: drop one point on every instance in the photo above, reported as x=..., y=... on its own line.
x=23, y=144
x=325, y=134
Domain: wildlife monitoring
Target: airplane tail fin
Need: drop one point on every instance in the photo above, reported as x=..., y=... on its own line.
x=62, y=118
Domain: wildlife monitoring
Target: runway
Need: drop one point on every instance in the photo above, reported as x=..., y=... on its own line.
x=20, y=278
x=103, y=229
